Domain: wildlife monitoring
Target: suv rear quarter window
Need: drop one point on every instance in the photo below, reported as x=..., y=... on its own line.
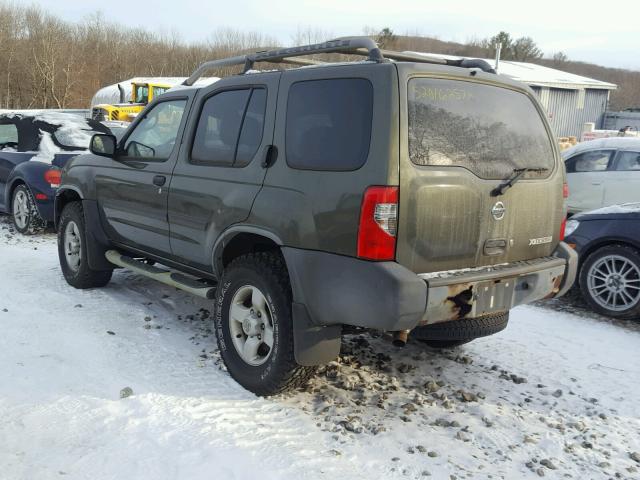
x=328, y=125
x=230, y=128
x=486, y=129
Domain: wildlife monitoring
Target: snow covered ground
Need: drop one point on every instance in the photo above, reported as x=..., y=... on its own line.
x=553, y=395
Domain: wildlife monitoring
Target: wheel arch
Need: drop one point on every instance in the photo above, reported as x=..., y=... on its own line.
x=11, y=188
x=240, y=240
x=601, y=243
x=31, y=174
x=65, y=195
x=313, y=344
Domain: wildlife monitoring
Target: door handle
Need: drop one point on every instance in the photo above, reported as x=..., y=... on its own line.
x=159, y=180
x=596, y=183
x=270, y=156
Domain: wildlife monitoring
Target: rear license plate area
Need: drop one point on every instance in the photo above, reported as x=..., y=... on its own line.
x=494, y=296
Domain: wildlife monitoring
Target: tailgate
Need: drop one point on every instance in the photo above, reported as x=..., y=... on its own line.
x=464, y=139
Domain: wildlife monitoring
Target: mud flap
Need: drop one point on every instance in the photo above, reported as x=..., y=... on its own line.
x=97, y=241
x=313, y=344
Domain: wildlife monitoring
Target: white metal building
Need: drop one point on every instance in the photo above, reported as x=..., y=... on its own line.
x=571, y=100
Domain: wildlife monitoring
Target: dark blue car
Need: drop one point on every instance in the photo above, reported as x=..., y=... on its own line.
x=608, y=243
x=33, y=148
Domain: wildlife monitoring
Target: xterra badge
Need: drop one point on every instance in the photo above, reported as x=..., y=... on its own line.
x=539, y=241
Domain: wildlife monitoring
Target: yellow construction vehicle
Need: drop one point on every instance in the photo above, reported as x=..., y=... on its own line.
x=142, y=92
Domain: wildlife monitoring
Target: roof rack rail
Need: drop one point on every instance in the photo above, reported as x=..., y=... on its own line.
x=341, y=45
x=364, y=46
x=426, y=58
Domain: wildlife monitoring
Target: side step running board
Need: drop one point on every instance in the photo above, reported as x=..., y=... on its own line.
x=173, y=279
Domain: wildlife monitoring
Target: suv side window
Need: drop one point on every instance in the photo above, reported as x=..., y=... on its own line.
x=594, y=161
x=328, y=124
x=230, y=127
x=628, y=161
x=155, y=136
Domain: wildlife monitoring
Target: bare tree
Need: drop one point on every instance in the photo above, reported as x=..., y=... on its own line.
x=559, y=58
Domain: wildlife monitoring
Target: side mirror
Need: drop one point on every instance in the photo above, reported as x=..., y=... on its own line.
x=103, y=144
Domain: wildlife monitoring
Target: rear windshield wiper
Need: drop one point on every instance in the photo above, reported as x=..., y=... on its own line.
x=518, y=173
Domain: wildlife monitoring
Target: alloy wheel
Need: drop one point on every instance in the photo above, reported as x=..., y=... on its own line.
x=21, y=209
x=614, y=283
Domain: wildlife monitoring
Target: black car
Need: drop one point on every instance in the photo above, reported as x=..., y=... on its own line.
x=608, y=242
x=34, y=146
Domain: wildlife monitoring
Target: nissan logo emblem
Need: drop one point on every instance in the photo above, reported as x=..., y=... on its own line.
x=498, y=211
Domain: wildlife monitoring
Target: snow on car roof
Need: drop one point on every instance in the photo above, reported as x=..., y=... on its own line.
x=73, y=131
x=633, y=207
x=611, y=142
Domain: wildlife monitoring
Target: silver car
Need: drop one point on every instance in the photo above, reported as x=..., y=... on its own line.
x=603, y=172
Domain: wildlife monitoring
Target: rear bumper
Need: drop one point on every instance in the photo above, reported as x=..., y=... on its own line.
x=335, y=289
x=490, y=290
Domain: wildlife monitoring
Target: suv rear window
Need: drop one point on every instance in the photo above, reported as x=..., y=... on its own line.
x=329, y=124
x=488, y=130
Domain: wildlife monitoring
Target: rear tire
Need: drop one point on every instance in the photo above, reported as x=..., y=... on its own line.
x=610, y=281
x=458, y=332
x=72, y=250
x=26, y=218
x=254, y=325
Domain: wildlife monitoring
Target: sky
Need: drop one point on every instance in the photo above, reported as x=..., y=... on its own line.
x=599, y=32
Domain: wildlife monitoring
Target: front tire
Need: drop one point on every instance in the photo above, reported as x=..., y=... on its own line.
x=610, y=281
x=72, y=250
x=254, y=325
x=26, y=218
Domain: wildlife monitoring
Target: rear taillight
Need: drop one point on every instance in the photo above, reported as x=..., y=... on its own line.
x=52, y=177
x=565, y=195
x=378, y=224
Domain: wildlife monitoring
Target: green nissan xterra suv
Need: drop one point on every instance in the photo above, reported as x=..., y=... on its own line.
x=405, y=193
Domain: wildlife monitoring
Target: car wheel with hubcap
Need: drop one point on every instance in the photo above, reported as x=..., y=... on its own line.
x=26, y=218
x=254, y=325
x=610, y=281
x=251, y=325
x=72, y=250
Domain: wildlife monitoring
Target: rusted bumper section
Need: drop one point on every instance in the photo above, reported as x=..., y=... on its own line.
x=570, y=256
x=483, y=291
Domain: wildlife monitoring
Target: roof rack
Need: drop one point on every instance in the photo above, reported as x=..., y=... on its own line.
x=364, y=46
